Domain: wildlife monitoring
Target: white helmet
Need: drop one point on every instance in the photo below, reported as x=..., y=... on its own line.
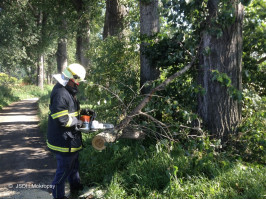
x=75, y=70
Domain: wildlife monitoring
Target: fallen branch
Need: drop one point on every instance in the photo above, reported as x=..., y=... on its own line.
x=99, y=141
x=161, y=125
x=111, y=136
x=148, y=97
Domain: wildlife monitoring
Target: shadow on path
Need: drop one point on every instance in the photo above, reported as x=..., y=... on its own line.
x=27, y=167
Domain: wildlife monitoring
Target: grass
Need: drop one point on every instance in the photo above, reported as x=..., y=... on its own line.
x=18, y=92
x=132, y=169
x=29, y=91
x=239, y=182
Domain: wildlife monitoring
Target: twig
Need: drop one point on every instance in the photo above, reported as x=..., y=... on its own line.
x=107, y=89
x=153, y=119
x=162, y=125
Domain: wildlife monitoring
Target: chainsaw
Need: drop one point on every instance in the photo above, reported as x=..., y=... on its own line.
x=90, y=124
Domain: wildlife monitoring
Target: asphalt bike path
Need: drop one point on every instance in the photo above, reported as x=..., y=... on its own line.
x=27, y=167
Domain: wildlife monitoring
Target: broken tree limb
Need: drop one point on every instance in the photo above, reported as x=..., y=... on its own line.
x=100, y=139
x=148, y=97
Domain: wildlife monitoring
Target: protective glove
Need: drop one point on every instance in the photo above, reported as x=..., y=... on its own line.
x=87, y=112
x=79, y=124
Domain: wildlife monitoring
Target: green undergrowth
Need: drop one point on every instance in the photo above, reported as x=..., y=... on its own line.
x=13, y=89
x=30, y=91
x=144, y=169
x=43, y=105
x=6, y=96
x=16, y=92
x=190, y=168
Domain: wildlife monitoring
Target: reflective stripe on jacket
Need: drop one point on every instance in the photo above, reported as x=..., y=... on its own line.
x=63, y=117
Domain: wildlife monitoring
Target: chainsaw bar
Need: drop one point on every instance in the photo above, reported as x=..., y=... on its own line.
x=94, y=126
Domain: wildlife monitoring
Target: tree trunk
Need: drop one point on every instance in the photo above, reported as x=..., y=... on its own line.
x=61, y=55
x=40, y=71
x=49, y=72
x=82, y=47
x=83, y=34
x=149, y=25
x=114, y=19
x=40, y=63
x=221, y=113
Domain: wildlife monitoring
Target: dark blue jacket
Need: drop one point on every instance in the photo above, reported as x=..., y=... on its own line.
x=63, y=117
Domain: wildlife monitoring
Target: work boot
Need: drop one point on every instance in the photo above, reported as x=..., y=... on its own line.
x=76, y=187
x=65, y=197
x=74, y=190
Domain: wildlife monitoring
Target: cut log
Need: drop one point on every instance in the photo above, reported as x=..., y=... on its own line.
x=131, y=133
x=101, y=139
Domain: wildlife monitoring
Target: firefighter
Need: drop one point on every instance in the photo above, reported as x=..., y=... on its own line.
x=63, y=137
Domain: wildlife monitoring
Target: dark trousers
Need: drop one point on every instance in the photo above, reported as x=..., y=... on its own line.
x=67, y=168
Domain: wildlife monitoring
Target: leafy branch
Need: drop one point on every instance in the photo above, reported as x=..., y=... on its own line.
x=148, y=97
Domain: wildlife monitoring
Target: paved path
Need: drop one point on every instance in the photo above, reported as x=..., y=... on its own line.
x=25, y=163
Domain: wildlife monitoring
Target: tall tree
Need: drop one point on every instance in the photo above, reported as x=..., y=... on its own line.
x=40, y=63
x=37, y=10
x=220, y=68
x=61, y=54
x=114, y=18
x=83, y=32
x=14, y=34
x=149, y=26
x=40, y=71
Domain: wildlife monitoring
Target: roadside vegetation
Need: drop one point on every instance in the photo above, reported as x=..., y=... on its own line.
x=189, y=167
x=13, y=89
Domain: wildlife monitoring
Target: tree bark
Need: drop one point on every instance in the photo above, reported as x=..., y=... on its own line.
x=114, y=19
x=61, y=55
x=221, y=114
x=41, y=71
x=83, y=34
x=49, y=71
x=82, y=48
x=40, y=63
x=149, y=25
